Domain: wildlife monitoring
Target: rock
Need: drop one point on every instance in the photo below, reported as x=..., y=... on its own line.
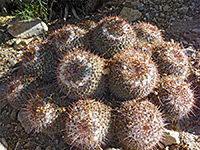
x=13, y=114
x=191, y=140
x=48, y=148
x=27, y=29
x=130, y=14
x=23, y=122
x=21, y=43
x=171, y=137
x=133, y=5
x=38, y=148
x=183, y=9
x=197, y=31
x=166, y=8
x=113, y=149
x=2, y=147
x=3, y=144
x=190, y=52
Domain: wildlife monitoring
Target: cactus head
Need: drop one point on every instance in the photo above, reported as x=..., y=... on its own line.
x=38, y=61
x=112, y=35
x=66, y=39
x=80, y=74
x=132, y=75
x=41, y=115
x=175, y=98
x=171, y=59
x=139, y=125
x=87, y=124
x=18, y=90
x=147, y=33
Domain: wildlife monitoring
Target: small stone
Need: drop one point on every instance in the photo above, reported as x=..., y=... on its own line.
x=197, y=40
x=162, y=15
x=26, y=29
x=185, y=42
x=133, y=5
x=191, y=140
x=38, y=148
x=171, y=137
x=166, y=8
x=196, y=31
x=23, y=122
x=3, y=144
x=189, y=18
x=21, y=43
x=190, y=51
x=48, y=148
x=130, y=14
x=183, y=9
x=113, y=149
x=2, y=147
x=13, y=114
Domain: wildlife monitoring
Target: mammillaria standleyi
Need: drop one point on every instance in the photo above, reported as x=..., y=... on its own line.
x=133, y=61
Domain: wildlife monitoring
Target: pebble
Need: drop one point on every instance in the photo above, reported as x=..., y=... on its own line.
x=27, y=29
x=25, y=125
x=2, y=147
x=38, y=148
x=113, y=149
x=183, y=9
x=3, y=143
x=13, y=114
x=171, y=137
x=196, y=31
x=191, y=140
x=190, y=52
x=21, y=43
x=48, y=148
x=130, y=14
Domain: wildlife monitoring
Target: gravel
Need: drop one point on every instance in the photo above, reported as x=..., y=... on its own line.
x=178, y=19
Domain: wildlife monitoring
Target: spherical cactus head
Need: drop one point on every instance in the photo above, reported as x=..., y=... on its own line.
x=18, y=90
x=171, y=59
x=132, y=75
x=38, y=61
x=112, y=35
x=139, y=125
x=66, y=39
x=175, y=97
x=147, y=33
x=80, y=74
x=41, y=115
x=87, y=124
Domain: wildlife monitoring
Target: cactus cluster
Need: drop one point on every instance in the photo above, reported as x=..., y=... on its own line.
x=66, y=83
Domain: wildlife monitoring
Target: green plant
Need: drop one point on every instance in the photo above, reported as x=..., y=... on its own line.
x=32, y=9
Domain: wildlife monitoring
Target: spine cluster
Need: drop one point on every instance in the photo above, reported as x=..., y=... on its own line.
x=139, y=125
x=87, y=124
x=80, y=74
x=131, y=63
x=132, y=75
x=112, y=35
